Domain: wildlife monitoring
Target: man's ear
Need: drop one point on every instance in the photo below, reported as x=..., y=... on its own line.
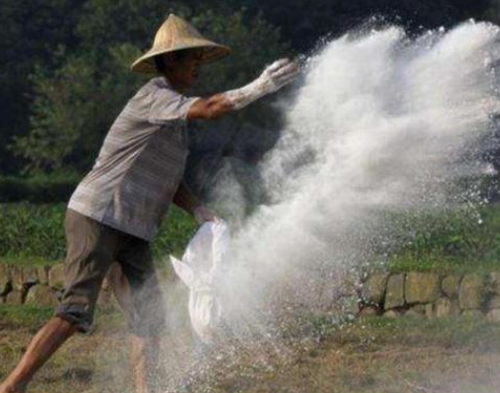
x=183, y=270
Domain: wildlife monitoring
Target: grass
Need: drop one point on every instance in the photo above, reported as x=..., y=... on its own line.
x=33, y=235
x=28, y=315
x=447, y=242
x=457, y=332
x=368, y=355
x=450, y=242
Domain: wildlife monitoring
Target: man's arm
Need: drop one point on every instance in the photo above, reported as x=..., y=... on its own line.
x=210, y=108
x=272, y=79
x=187, y=201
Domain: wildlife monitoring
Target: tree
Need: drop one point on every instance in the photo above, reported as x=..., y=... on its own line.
x=304, y=22
x=75, y=105
x=492, y=13
x=31, y=32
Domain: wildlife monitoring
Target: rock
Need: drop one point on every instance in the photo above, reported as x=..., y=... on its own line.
x=445, y=307
x=412, y=313
x=473, y=314
x=374, y=288
x=43, y=275
x=370, y=311
x=5, y=279
x=392, y=314
x=14, y=298
x=30, y=277
x=16, y=274
x=472, y=292
x=41, y=295
x=56, y=276
x=494, y=302
x=23, y=278
x=394, y=296
x=451, y=286
x=430, y=311
x=422, y=287
x=493, y=315
x=495, y=282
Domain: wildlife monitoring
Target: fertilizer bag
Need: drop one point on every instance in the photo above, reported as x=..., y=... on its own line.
x=200, y=270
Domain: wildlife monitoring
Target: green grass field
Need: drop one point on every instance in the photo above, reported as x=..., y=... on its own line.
x=452, y=241
x=33, y=235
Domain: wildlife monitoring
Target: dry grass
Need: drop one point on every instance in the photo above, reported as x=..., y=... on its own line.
x=376, y=356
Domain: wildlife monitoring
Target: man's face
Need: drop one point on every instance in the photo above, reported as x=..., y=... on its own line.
x=183, y=70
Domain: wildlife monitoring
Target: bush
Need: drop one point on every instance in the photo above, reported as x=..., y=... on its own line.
x=38, y=189
x=34, y=234
x=452, y=241
x=75, y=105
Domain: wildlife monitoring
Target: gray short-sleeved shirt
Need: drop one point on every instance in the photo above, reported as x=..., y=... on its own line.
x=141, y=163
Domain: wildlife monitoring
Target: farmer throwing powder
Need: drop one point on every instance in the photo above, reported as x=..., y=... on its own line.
x=116, y=210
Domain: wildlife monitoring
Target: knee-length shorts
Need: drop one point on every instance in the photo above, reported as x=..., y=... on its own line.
x=92, y=249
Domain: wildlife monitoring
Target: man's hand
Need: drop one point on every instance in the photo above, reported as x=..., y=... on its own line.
x=274, y=77
x=277, y=75
x=203, y=214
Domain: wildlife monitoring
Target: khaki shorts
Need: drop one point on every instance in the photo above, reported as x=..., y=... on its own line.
x=92, y=248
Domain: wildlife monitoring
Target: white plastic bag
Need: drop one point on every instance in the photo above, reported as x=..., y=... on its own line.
x=199, y=269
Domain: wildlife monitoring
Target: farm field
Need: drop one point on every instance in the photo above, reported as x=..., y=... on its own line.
x=368, y=355
x=383, y=355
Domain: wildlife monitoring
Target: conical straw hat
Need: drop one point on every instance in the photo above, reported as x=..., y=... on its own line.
x=176, y=34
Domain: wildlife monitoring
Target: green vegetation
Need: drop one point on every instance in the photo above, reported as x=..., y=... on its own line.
x=65, y=62
x=75, y=104
x=27, y=315
x=34, y=234
x=451, y=241
x=38, y=189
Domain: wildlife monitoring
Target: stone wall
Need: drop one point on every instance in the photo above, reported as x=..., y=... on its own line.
x=431, y=295
x=19, y=285
x=38, y=286
x=421, y=295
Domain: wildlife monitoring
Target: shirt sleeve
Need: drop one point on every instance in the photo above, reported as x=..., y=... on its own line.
x=168, y=105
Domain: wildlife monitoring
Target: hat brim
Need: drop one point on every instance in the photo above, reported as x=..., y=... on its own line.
x=211, y=52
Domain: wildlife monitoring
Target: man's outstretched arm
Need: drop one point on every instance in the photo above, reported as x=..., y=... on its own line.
x=274, y=77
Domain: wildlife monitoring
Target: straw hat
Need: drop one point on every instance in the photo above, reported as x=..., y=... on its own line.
x=176, y=34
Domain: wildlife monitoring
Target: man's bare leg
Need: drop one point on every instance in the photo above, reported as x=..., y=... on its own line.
x=48, y=339
x=144, y=363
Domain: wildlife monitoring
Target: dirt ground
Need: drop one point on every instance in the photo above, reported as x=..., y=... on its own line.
x=372, y=355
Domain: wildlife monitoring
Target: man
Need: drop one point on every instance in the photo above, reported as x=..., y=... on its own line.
x=117, y=208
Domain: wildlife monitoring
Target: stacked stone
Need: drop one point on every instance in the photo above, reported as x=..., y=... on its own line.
x=41, y=286
x=431, y=295
x=20, y=285
x=38, y=286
